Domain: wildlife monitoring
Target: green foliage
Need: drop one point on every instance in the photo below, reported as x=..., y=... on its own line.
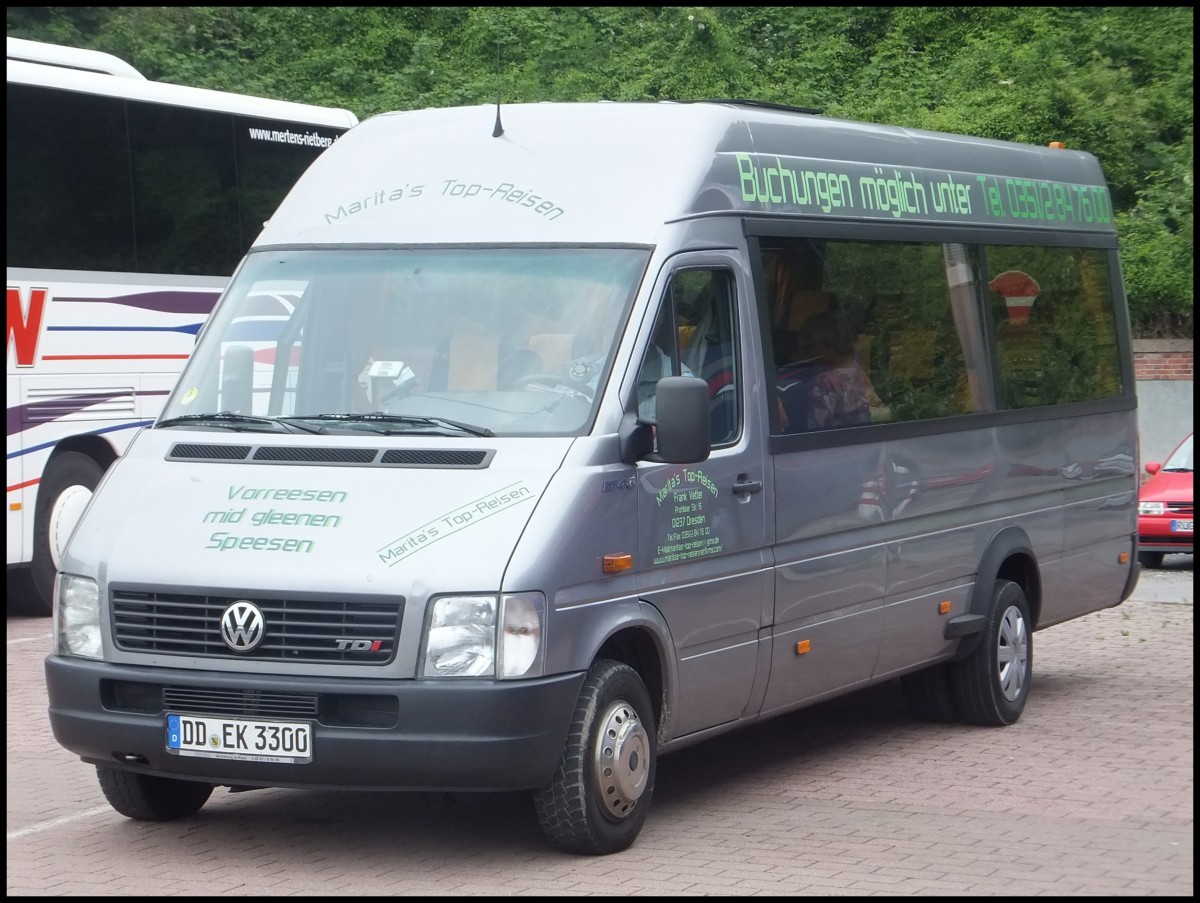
x=1116, y=81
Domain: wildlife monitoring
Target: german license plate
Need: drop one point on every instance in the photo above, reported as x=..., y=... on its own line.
x=287, y=742
x=1181, y=526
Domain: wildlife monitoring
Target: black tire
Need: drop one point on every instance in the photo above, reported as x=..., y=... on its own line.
x=992, y=684
x=929, y=696
x=65, y=473
x=590, y=806
x=1150, y=559
x=148, y=798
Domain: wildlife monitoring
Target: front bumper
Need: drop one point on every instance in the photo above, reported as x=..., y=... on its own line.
x=367, y=734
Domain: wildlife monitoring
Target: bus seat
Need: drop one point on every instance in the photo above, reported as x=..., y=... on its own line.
x=719, y=372
x=805, y=303
x=554, y=349
x=474, y=362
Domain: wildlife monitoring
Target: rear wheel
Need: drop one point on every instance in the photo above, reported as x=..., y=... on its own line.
x=1150, y=559
x=146, y=797
x=66, y=487
x=992, y=684
x=597, y=801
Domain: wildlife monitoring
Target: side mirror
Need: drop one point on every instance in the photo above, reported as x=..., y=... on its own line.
x=681, y=427
x=682, y=420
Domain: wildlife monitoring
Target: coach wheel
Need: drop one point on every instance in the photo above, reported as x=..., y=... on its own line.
x=147, y=797
x=597, y=801
x=992, y=684
x=66, y=487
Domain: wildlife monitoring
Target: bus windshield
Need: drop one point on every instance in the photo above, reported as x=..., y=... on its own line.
x=502, y=341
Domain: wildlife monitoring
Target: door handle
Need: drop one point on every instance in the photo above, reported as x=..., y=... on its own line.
x=744, y=486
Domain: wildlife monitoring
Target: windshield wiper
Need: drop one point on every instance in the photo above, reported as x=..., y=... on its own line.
x=379, y=417
x=231, y=420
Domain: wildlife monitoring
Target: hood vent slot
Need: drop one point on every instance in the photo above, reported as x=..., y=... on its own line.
x=315, y=455
x=411, y=457
x=469, y=458
x=195, y=452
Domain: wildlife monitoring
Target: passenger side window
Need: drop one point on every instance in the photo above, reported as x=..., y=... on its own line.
x=1052, y=319
x=695, y=334
x=869, y=332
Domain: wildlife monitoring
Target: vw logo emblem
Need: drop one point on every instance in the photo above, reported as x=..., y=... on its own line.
x=242, y=626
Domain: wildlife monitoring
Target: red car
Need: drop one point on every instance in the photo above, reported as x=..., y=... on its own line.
x=1165, y=507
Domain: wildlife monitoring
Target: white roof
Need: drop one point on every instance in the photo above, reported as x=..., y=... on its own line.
x=69, y=58
x=617, y=172
x=135, y=87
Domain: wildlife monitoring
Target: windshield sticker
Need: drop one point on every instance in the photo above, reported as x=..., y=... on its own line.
x=453, y=521
x=455, y=189
x=690, y=533
x=254, y=518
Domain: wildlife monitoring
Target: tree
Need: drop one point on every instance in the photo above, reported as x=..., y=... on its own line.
x=1116, y=81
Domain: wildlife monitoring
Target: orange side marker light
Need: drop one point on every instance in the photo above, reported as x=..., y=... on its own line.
x=614, y=564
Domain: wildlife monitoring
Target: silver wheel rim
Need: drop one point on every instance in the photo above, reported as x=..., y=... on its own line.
x=1012, y=654
x=621, y=759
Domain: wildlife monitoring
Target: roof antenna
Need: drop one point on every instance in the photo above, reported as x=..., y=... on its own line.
x=499, y=129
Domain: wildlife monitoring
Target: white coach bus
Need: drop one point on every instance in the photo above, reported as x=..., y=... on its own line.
x=130, y=203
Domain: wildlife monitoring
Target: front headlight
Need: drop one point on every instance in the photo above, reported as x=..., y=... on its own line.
x=77, y=617
x=1155, y=509
x=461, y=636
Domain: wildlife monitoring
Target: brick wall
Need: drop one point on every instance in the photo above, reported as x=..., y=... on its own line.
x=1162, y=359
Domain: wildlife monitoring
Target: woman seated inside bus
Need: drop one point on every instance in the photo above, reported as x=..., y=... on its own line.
x=824, y=387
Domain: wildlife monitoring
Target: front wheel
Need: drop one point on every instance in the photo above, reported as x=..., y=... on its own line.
x=146, y=797
x=992, y=684
x=597, y=801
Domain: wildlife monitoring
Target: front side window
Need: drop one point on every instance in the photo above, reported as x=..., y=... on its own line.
x=695, y=335
x=506, y=341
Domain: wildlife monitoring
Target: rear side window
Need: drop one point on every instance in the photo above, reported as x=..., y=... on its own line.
x=867, y=332
x=1055, y=333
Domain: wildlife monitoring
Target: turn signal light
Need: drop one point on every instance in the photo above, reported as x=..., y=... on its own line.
x=614, y=564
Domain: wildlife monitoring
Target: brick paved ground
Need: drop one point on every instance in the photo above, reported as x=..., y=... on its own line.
x=1089, y=794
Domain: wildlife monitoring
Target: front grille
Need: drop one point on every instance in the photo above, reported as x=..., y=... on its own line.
x=297, y=629
x=1183, y=540
x=378, y=710
x=238, y=703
